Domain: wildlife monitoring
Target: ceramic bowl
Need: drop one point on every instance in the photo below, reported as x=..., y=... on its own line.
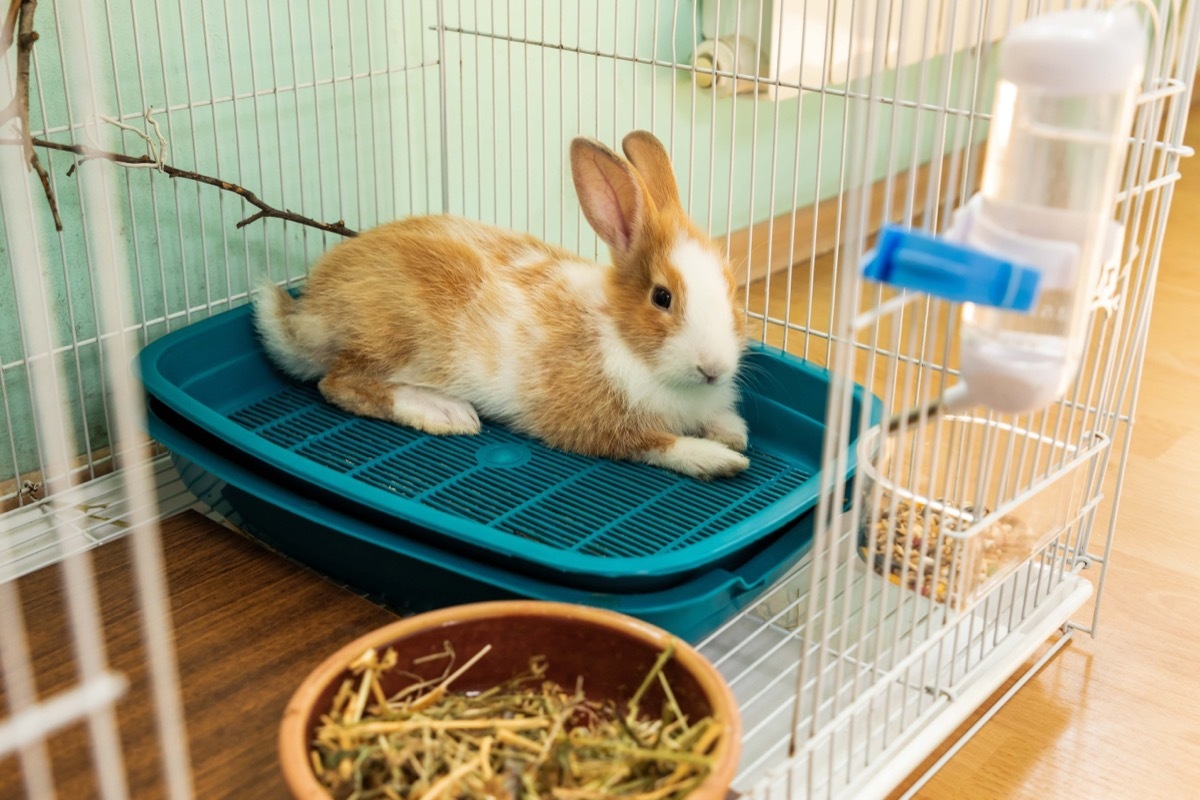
x=612, y=652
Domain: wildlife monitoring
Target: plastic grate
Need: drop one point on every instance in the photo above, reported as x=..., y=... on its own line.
x=512, y=484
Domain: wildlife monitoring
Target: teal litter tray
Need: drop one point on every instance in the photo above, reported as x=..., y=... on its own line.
x=409, y=576
x=500, y=496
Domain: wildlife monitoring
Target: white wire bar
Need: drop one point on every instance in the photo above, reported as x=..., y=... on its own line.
x=322, y=114
x=115, y=284
x=38, y=723
x=874, y=661
x=841, y=115
x=56, y=448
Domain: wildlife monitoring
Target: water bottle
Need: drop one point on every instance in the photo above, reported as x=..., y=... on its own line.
x=1064, y=105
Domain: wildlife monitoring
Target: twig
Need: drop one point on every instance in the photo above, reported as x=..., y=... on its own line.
x=651, y=676
x=20, y=16
x=89, y=153
x=157, y=151
x=251, y=218
x=527, y=737
x=26, y=37
x=448, y=780
x=19, y=107
x=36, y=164
x=440, y=691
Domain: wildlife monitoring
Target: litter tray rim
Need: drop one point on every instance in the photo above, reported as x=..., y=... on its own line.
x=741, y=583
x=461, y=529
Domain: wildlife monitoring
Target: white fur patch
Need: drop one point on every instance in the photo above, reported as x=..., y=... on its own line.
x=503, y=318
x=529, y=258
x=505, y=399
x=433, y=412
x=585, y=281
x=729, y=429
x=682, y=408
x=299, y=354
x=671, y=385
x=700, y=458
x=707, y=337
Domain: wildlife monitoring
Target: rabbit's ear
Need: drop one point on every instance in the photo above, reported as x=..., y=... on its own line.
x=610, y=192
x=650, y=158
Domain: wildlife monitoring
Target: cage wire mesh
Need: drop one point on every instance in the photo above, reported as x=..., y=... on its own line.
x=964, y=544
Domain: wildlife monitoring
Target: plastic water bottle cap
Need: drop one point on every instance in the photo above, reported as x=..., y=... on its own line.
x=1076, y=52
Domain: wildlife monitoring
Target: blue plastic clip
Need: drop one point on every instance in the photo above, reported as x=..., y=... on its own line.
x=916, y=260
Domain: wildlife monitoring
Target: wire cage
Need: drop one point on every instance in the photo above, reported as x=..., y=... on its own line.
x=190, y=148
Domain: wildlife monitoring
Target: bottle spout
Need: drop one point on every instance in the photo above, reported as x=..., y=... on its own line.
x=954, y=400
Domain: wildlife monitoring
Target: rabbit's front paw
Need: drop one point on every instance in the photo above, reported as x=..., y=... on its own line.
x=434, y=412
x=729, y=429
x=700, y=458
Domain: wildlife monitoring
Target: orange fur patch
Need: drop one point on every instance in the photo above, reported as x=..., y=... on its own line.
x=640, y=323
x=354, y=387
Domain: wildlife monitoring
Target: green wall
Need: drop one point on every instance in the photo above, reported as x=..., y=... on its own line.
x=333, y=110
x=513, y=108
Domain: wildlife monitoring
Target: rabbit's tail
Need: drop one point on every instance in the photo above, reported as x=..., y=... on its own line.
x=295, y=340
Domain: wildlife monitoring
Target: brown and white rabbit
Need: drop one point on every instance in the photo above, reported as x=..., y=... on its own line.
x=432, y=321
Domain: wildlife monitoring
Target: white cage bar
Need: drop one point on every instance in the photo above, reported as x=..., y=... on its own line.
x=849, y=113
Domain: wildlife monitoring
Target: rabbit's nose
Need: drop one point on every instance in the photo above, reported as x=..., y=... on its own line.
x=709, y=373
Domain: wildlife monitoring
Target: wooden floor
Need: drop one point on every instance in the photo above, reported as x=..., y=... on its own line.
x=249, y=626
x=1115, y=716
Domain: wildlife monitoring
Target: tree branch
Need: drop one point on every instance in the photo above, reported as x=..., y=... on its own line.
x=264, y=210
x=19, y=107
x=20, y=16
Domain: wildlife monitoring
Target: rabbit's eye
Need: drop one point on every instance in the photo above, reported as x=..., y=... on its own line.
x=661, y=297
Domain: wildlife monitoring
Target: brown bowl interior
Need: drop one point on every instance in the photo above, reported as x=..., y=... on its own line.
x=611, y=662
x=612, y=652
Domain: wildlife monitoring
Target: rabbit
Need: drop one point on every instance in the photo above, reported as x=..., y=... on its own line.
x=432, y=321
